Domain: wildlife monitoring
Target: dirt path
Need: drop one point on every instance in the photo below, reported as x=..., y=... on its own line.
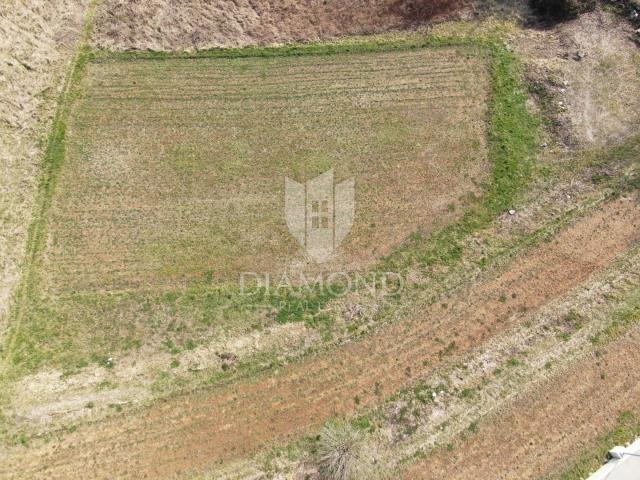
x=543, y=430
x=197, y=431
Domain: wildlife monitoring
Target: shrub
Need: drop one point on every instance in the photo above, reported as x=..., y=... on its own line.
x=559, y=10
x=339, y=452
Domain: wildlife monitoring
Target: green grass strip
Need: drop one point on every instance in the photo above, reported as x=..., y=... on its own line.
x=359, y=45
x=512, y=136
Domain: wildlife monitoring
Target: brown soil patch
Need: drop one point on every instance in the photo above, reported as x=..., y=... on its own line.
x=544, y=429
x=200, y=24
x=196, y=431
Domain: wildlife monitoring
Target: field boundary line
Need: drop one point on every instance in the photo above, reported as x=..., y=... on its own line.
x=50, y=166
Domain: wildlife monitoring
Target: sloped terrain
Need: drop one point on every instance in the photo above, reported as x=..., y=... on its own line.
x=173, y=437
x=199, y=24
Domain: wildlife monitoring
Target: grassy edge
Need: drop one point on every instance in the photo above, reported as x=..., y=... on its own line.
x=52, y=161
x=626, y=430
x=512, y=137
x=351, y=45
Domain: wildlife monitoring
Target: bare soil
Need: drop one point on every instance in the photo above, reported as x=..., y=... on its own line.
x=200, y=24
x=178, y=436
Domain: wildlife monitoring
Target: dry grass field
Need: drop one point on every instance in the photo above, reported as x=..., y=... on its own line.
x=200, y=24
x=496, y=178
x=201, y=148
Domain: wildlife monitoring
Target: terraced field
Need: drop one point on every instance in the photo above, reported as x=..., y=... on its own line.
x=543, y=431
x=246, y=416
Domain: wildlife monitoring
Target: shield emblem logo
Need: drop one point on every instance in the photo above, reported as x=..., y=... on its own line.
x=319, y=214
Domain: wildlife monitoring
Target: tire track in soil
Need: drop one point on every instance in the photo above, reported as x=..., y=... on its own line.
x=541, y=433
x=197, y=431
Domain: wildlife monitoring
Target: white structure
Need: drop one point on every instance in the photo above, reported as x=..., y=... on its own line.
x=624, y=464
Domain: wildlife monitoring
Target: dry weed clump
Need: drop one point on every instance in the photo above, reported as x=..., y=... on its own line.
x=341, y=453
